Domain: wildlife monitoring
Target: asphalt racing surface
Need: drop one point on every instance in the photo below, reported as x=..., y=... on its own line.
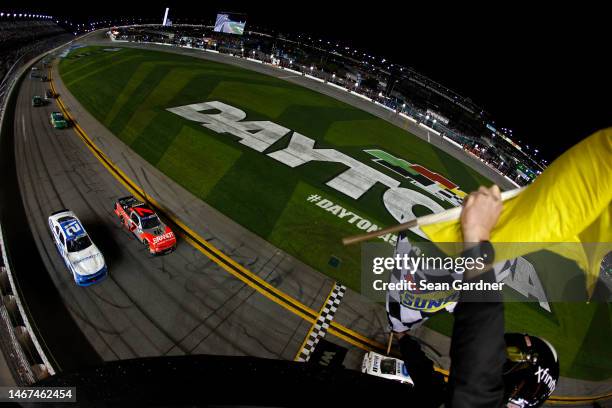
x=176, y=304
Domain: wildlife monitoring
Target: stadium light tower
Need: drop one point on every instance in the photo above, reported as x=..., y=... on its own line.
x=165, y=21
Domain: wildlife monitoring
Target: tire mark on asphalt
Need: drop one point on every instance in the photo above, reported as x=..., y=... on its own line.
x=34, y=167
x=71, y=173
x=78, y=311
x=179, y=303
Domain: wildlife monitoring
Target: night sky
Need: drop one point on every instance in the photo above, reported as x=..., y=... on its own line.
x=544, y=72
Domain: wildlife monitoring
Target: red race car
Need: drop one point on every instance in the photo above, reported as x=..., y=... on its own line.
x=144, y=223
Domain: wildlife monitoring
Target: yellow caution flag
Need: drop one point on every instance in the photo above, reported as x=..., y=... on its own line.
x=570, y=202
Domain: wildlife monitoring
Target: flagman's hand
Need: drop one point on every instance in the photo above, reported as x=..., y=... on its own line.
x=481, y=210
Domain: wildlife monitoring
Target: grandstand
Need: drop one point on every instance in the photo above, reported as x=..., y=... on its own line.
x=23, y=39
x=18, y=38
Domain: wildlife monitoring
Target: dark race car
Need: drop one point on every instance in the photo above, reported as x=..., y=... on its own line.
x=38, y=101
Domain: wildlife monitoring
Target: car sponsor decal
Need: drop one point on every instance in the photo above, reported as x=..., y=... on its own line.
x=78, y=261
x=163, y=237
x=72, y=229
x=143, y=211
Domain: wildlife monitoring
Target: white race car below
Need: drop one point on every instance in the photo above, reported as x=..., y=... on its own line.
x=82, y=257
x=385, y=367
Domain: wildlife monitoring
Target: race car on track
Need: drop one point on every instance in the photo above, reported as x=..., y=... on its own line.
x=82, y=257
x=49, y=94
x=58, y=120
x=385, y=367
x=34, y=73
x=144, y=223
x=38, y=101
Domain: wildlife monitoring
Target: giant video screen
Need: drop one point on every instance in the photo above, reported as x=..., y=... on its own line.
x=230, y=23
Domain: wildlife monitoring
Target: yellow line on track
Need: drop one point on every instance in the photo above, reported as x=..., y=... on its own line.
x=564, y=400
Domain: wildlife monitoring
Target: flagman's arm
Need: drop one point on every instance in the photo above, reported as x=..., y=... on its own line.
x=477, y=348
x=477, y=345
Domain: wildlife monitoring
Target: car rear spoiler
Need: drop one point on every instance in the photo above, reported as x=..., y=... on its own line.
x=126, y=198
x=128, y=201
x=60, y=211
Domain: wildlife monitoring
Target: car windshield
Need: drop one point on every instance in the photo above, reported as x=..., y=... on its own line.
x=150, y=222
x=79, y=244
x=387, y=366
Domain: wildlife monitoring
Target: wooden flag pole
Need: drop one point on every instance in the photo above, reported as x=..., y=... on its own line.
x=389, y=342
x=448, y=215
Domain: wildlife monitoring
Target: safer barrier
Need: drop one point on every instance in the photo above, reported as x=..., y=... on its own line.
x=22, y=350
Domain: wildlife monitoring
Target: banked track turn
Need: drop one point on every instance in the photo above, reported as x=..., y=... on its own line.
x=181, y=303
x=149, y=306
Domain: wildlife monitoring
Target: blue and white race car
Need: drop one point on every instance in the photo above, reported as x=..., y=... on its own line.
x=386, y=367
x=83, y=259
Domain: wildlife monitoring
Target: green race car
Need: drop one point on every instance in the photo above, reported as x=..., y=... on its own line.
x=37, y=101
x=58, y=121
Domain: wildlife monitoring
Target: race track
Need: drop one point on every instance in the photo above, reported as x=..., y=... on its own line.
x=181, y=303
